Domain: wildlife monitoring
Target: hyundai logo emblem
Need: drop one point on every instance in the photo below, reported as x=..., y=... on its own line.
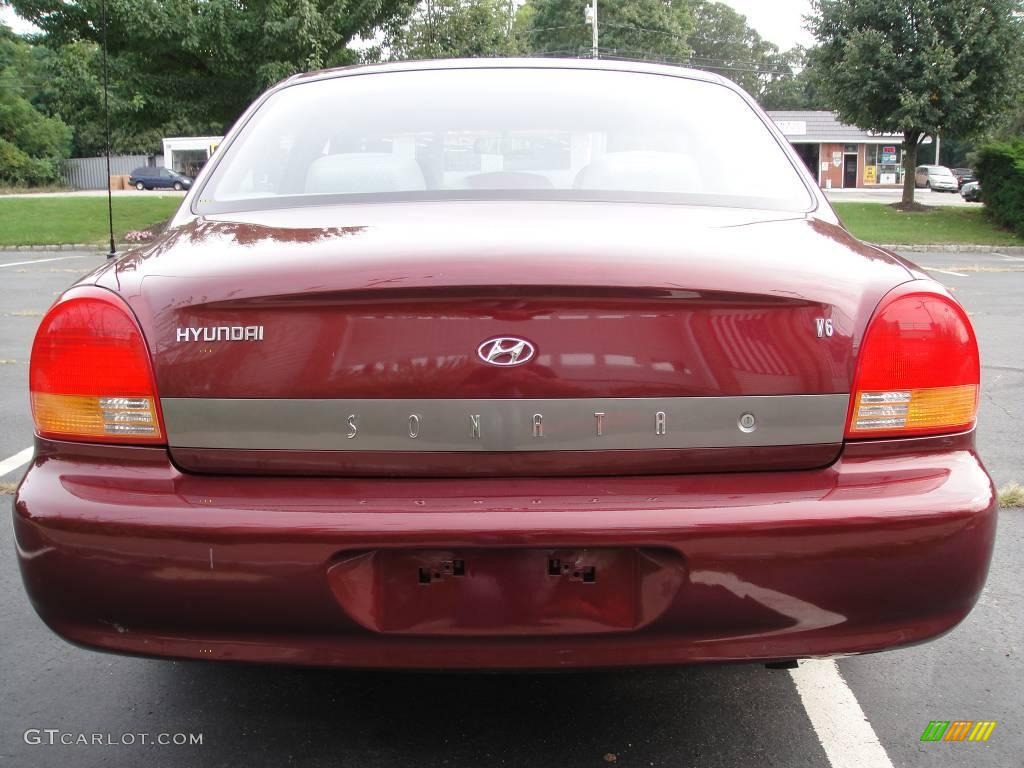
x=505, y=351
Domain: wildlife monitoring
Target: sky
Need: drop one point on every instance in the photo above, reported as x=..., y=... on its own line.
x=12, y=20
x=778, y=21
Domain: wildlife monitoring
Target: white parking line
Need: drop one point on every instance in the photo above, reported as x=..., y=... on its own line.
x=40, y=261
x=947, y=272
x=839, y=722
x=20, y=458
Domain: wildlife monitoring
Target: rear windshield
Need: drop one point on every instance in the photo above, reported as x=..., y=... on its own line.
x=559, y=134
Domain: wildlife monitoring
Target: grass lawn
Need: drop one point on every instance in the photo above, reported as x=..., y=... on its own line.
x=55, y=220
x=878, y=223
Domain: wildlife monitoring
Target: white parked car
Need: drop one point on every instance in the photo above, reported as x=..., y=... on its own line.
x=937, y=177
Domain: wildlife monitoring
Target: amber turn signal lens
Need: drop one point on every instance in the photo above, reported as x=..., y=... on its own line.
x=938, y=408
x=100, y=417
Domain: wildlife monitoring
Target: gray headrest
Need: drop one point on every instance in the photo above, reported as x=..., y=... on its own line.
x=364, y=172
x=641, y=172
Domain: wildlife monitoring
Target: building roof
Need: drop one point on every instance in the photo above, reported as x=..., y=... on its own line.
x=813, y=127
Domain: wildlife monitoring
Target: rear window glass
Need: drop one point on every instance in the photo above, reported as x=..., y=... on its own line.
x=497, y=133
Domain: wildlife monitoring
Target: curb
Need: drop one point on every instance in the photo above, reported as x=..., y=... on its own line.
x=1007, y=250
x=55, y=247
x=69, y=247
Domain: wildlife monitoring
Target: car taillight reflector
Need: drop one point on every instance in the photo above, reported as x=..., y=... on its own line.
x=918, y=370
x=90, y=376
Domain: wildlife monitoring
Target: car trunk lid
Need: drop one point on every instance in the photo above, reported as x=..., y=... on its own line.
x=354, y=341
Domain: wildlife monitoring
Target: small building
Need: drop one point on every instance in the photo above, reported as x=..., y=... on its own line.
x=188, y=154
x=840, y=155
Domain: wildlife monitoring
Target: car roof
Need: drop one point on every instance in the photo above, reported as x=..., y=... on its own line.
x=615, y=65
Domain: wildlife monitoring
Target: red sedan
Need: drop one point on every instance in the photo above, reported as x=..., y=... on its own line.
x=505, y=364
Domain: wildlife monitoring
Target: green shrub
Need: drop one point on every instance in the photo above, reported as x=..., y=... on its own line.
x=1001, y=173
x=18, y=169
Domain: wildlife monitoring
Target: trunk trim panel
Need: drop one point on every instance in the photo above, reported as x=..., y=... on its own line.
x=485, y=425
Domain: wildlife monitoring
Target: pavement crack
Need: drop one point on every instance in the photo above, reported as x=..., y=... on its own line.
x=996, y=403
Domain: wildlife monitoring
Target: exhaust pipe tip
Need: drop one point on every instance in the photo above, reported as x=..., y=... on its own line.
x=783, y=664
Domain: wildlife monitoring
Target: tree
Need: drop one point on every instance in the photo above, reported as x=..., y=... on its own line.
x=193, y=66
x=724, y=43
x=32, y=145
x=916, y=67
x=444, y=29
x=796, y=84
x=639, y=29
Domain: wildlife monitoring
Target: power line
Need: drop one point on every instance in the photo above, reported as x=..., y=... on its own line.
x=623, y=53
x=634, y=28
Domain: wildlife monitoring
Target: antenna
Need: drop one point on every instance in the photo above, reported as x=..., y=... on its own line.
x=106, y=118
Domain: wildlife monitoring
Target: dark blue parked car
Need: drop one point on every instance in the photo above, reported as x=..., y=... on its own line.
x=158, y=178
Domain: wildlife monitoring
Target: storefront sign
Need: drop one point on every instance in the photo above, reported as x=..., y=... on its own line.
x=869, y=174
x=889, y=156
x=837, y=159
x=887, y=178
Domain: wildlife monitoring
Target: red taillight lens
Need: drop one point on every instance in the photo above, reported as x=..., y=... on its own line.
x=918, y=371
x=90, y=376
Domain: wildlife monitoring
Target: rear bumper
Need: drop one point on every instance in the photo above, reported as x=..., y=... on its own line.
x=122, y=552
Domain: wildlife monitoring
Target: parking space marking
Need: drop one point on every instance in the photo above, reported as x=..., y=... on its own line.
x=41, y=261
x=839, y=722
x=20, y=458
x=947, y=272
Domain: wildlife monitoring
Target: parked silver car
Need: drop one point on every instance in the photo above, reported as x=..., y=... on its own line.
x=937, y=177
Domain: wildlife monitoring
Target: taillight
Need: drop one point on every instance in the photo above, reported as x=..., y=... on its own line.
x=90, y=376
x=918, y=371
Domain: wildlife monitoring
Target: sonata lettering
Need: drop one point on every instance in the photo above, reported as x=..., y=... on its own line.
x=221, y=333
x=414, y=423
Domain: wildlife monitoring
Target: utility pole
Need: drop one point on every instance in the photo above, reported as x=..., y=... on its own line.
x=590, y=14
x=106, y=132
x=430, y=28
x=938, y=144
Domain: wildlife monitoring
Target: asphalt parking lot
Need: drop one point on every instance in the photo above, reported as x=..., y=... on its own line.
x=723, y=716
